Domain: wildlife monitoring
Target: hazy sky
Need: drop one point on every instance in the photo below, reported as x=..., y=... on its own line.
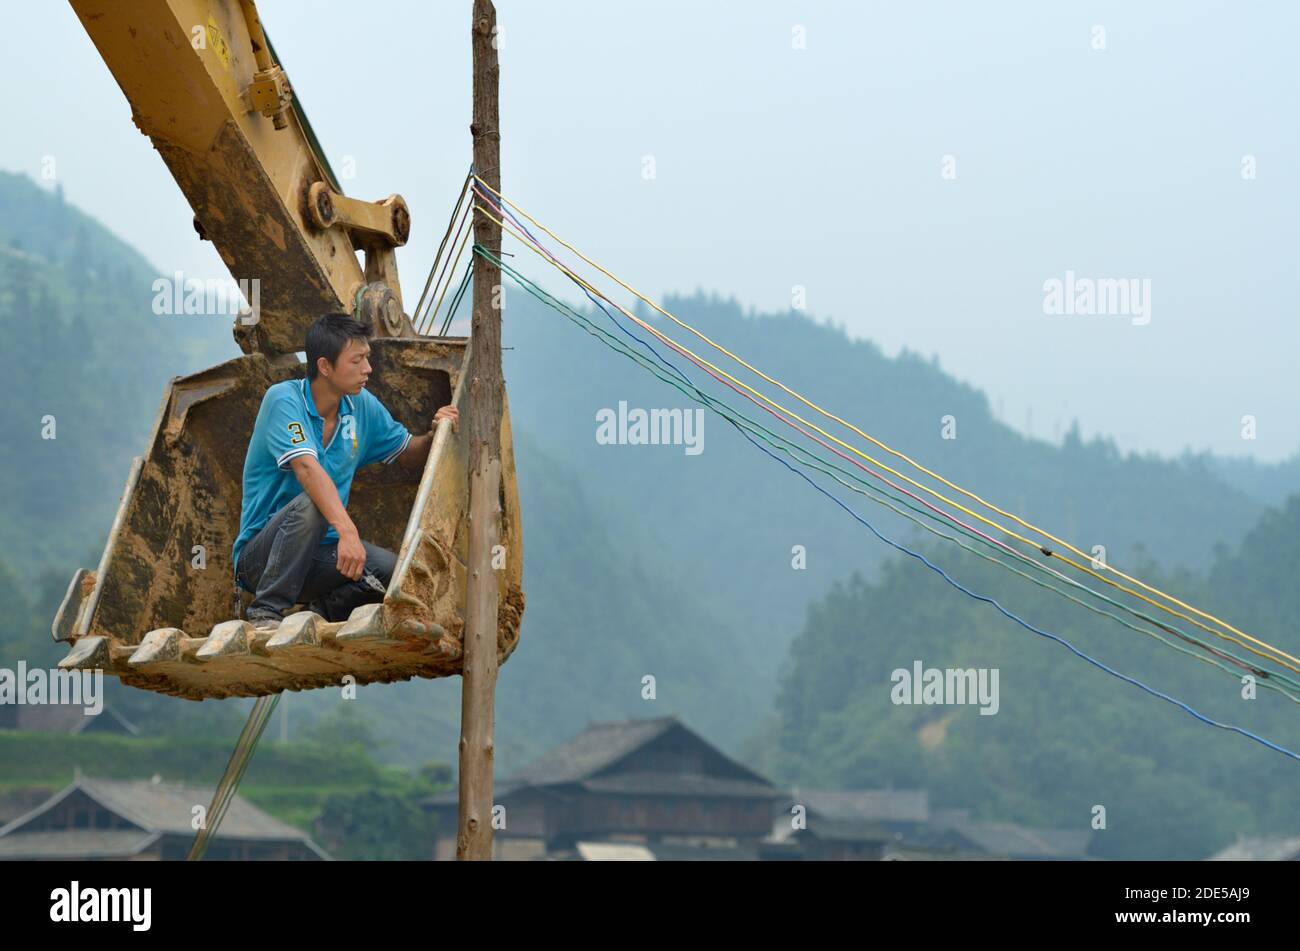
x=803, y=144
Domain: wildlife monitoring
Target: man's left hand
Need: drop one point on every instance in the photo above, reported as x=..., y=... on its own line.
x=448, y=412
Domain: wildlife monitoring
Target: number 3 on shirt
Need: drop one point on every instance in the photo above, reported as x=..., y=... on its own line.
x=298, y=436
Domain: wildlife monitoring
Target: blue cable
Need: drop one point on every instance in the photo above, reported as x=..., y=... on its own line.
x=907, y=551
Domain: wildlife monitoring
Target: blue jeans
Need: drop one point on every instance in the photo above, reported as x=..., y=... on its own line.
x=287, y=562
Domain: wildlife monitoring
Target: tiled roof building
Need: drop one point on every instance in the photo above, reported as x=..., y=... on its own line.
x=142, y=819
x=653, y=785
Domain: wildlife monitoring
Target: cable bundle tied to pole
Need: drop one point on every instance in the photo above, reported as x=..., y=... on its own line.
x=440, y=272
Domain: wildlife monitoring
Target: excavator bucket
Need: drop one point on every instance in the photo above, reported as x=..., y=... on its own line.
x=159, y=612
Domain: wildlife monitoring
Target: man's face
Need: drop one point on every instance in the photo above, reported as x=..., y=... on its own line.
x=352, y=368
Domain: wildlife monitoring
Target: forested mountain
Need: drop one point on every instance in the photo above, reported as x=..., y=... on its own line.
x=1066, y=736
x=88, y=361
x=733, y=516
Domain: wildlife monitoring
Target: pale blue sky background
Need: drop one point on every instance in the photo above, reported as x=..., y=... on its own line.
x=817, y=167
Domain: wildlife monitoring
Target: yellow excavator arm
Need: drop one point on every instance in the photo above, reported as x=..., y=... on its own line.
x=204, y=85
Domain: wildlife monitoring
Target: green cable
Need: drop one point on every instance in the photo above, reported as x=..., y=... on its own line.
x=727, y=412
x=455, y=301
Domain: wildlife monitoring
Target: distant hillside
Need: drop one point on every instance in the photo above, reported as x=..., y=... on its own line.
x=75, y=306
x=1269, y=483
x=732, y=516
x=1066, y=736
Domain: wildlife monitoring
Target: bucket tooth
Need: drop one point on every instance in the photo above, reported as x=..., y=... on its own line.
x=74, y=601
x=428, y=630
x=297, y=630
x=161, y=645
x=365, y=624
x=88, y=653
x=227, y=639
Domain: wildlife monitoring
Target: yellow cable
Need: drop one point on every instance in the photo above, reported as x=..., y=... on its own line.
x=855, y=429
x=875, y=462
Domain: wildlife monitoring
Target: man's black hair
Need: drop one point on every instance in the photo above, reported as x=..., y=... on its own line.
x=328, y=336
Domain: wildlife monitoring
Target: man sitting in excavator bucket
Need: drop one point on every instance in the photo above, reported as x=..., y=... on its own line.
x=296, y=542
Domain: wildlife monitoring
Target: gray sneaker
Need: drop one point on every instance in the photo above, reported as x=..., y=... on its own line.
x=264, y=622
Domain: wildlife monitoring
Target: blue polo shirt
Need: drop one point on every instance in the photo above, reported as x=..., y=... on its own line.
x=287, y=427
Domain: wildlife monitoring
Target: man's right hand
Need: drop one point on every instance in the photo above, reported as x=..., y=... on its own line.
x=352, y=556
x=322, y=490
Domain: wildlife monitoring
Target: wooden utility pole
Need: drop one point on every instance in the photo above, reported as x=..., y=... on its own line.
x=479, y=679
